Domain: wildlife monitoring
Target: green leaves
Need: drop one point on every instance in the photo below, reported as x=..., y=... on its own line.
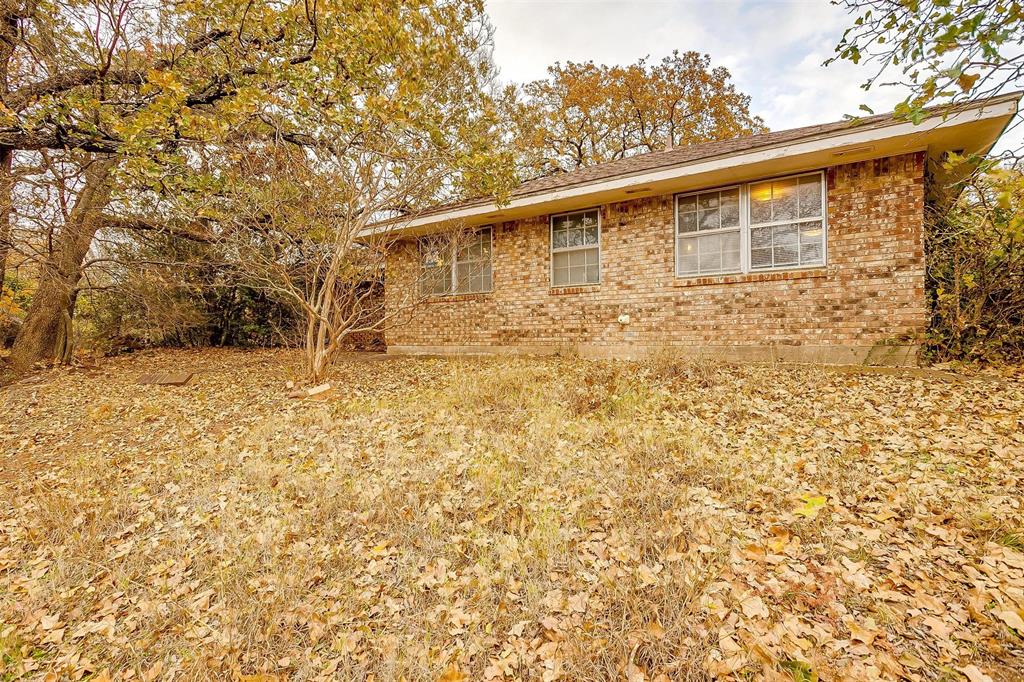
x=924, y=37
x=799, y=671
x=812, y=504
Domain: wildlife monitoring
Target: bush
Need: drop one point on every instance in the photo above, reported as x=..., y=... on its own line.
x=141, y=313
x=975, y=266
x=14, y=300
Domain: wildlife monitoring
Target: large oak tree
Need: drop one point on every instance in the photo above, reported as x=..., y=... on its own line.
x=585, y=113
x=150, y=98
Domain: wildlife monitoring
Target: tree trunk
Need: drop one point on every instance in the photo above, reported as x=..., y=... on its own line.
x=10, y=24
x=6, y=193
x=46, y=332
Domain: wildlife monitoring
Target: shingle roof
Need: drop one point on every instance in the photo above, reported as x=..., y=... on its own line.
x=680, y=156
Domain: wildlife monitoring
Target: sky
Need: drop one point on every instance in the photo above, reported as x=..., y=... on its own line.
x=774, y=49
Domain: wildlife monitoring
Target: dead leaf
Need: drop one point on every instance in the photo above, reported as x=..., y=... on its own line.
x=974, y=674
x=753, y=607
x=1013, y=619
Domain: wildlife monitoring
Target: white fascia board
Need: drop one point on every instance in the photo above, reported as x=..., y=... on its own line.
x=846, y=138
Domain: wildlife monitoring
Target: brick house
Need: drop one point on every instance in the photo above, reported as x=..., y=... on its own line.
x=802, y=245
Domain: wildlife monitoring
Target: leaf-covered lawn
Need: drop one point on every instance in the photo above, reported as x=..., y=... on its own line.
x=511, y=519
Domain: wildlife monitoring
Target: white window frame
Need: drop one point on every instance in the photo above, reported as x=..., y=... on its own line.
x=745, y=227
x=552, y=250
x=453, y=267
x=677, y=236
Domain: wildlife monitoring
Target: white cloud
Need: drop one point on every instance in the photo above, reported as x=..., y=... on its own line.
x=774, y=49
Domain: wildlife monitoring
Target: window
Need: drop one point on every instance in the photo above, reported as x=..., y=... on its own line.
x=576, y=248
x=708, y=232
x=766, y=225
x=436, y=273
x=473, y=264
x=468, y=272
x=787, y=223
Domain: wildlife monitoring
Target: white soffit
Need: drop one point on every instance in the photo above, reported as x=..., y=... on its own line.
x=973, y=130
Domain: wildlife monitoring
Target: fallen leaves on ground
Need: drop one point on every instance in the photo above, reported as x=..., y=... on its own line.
x=501, y=519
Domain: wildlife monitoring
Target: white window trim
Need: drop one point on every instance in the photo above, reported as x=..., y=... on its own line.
x=745, y=227
x=552, y=250
x=454, y=268
x=699, y=233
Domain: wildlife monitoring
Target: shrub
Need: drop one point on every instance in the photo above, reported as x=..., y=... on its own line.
x=975, y=272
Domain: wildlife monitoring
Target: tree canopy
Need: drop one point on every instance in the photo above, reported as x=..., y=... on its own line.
x=585, y=113
x=155, y=104
x=943, y=50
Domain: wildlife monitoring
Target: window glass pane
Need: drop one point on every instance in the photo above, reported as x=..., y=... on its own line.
x=471, y=251
x=687, y=222
x=559, y=239
x=473, y=277
x=761, y=202
x=811, y=253
x=785, y=235
x=710, y=219
x=810, y=197
x=589, y=219
x=687, y=204
x=811, y=232
x=731, y=250
x=731, y=260
x=435, y=271
x=784, y=199
x=761, y=238
x=590, y=235
x=811, y=243
x=591, y=275
x=431, y=257
x=709, y=200
x=472, y=260
x=436, y=281
x=730, y=212
x=576, y=267
x=785, y=249
x=709, y=250
x=463, y=275
x=704, y=254
x=786, y=255
x=761, y=258
x=687, y=256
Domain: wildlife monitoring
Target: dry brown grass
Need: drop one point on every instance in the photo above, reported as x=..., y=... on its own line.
x=510, y=518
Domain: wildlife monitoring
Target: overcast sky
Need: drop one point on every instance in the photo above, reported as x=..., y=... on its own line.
x=774, y=49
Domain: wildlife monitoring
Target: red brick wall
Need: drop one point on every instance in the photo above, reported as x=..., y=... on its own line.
x=867, y=301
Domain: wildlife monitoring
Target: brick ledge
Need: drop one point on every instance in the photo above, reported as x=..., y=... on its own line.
x=581, y=289
x=786, y=276
x=458, y=298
